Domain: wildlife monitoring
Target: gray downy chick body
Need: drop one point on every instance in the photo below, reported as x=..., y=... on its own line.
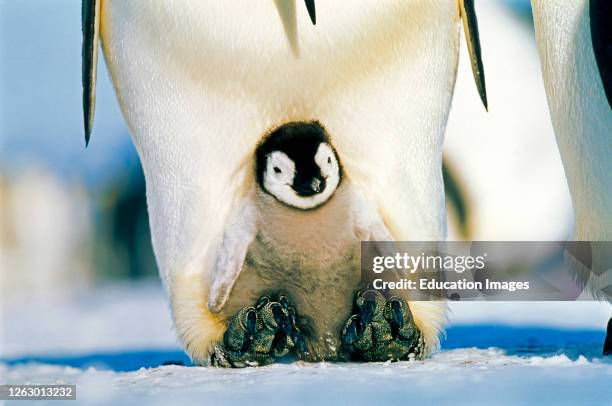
x=304, y=224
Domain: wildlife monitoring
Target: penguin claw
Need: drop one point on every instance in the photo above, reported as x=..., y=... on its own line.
x=282, y=299
x=367, y=311
x=261, y=302
x=381, y=330
x=257, y=335
x=281, y=318
x=397, y=313
x=251, y=322
x=349, y=335
x=298, y=342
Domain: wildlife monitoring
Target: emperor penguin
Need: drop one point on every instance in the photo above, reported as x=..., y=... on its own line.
x=575, y=44
x=200, y=85
x=294, y=241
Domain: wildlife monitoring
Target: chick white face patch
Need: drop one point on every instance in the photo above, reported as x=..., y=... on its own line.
x=326, y=159
x=278, y=178
x=281, y=172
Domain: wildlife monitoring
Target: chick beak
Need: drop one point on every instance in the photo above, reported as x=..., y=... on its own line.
x=309, y=187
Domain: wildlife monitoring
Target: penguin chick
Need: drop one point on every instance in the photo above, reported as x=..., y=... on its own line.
x=298, y=234
x=297, y=166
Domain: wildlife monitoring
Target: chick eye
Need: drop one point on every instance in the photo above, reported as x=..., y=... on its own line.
x=277, y=169
x=329, y=160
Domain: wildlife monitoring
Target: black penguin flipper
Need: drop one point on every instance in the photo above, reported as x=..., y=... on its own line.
x=90, y=10
x=470, y=27
x=600, y=13
x=312, y=12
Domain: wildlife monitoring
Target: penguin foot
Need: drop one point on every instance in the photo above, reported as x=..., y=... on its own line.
x=258, y=335
x=381, y=329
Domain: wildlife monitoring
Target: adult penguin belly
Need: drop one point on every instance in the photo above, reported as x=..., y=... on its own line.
x=200, y=83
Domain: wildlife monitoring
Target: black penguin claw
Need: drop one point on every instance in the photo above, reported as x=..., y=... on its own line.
x=367, y=312
x=350, y=332
x=281, y=318
x=282, y=299
x=298, y=341
x=292, y=316
x=251, y=322
x=261, y=302
x=397, y=313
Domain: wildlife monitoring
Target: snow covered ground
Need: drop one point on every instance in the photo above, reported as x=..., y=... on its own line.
x=462, y=376
x=112, y=343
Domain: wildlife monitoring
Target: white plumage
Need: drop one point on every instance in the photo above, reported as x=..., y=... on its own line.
x=199, y=83
x=582, y=119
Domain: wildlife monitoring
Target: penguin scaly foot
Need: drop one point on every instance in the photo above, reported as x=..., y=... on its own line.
x=381, y=329
x=258, y=335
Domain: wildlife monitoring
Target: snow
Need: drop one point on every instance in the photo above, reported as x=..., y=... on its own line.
x=112, y=343
x=462, y=376
x=101, y=319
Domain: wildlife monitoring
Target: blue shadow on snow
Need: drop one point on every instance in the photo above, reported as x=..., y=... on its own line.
x=522, y=341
